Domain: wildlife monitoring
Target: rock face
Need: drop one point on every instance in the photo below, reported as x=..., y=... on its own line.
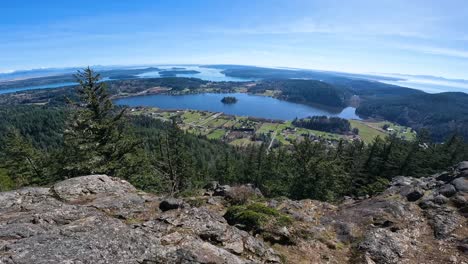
x=100, y=219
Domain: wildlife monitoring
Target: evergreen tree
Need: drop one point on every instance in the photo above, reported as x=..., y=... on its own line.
x=177, y=164
x=21, y=160
x=95, y=137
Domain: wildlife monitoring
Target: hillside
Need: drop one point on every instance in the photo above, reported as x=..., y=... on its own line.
x=100, y=219
x=441, y=114
x=306, y=92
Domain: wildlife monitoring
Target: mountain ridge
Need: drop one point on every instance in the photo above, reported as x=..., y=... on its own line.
x=102, y=219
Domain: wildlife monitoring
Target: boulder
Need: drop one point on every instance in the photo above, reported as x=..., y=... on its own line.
x=460, y=200
x=99, y=219
x=384, y=246
x=462, y=166
x=211, y=186
x=170, y=204
x=414, y=195
x=461, y=184
x=221, y=190
x=444, y=221
x=440, y=199
x=447, y=190
x=88, y=187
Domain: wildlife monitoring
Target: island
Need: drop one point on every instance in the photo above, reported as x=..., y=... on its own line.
x=229, y=100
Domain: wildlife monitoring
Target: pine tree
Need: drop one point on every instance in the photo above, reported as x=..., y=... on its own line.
x=95, y=138
x=21, y=160
x=176, y=165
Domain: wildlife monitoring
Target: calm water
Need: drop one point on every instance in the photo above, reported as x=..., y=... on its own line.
x=247, y=105
x=207, y=74
x=47, y=86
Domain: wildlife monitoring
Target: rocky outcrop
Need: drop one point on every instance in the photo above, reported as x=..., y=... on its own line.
x=100, y=219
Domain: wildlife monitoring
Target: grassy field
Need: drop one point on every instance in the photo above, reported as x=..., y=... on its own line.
x=266, y=128
x=401, y=131
x=193, y=117
x=216, y=127
x=370, y=130
x=216, y=134
x=218, y=122
x=366, y=132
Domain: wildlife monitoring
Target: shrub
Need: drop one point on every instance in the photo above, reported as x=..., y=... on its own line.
x=256, y=217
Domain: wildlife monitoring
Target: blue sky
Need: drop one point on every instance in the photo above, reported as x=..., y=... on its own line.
x=398, y=36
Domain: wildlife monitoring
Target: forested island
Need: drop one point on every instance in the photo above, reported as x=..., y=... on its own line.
x=229, y=100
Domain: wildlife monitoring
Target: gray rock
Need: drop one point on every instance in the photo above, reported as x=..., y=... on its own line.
x=87, y=187
x=99, y=219
x=445, y=176
x=414, y=195
x=463, y=245
x=443, y=221
x=460, y=200
x=462, y=166
x=401, y=181
x=461, y=184
x=170, y=204
x=211, y=186
x=447, y=190
x=384, y=246
x=221, y=190
x=440, y=199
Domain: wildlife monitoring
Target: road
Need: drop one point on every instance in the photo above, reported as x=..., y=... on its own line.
x=272, y=139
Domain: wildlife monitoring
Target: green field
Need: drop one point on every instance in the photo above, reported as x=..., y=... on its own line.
x=216, y=134
x=193, y=117
x=400, y=131
x=370, y=130
x=217, y=122
x=366, y=132
x=266, y=128
x=196, y=122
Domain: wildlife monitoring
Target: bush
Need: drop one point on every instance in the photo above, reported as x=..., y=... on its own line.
x=6, y=183
x=256, y=217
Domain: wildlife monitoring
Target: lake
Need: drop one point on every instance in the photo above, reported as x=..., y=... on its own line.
x=247, y=105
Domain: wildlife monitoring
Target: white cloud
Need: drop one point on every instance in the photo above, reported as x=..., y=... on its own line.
x=457, y=53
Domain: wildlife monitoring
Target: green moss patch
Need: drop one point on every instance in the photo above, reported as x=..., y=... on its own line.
x=256, y=217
